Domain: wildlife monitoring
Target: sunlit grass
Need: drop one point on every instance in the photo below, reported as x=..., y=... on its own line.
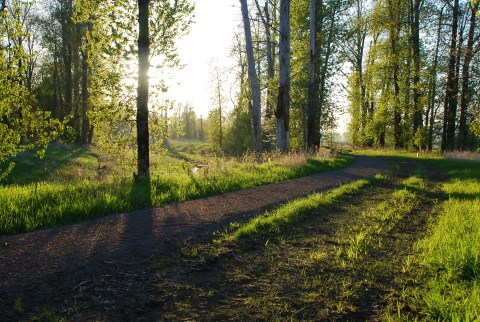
x=46, y=204
x=398, y=153
x=273, y=221
x=450, y=255
x=381, y=219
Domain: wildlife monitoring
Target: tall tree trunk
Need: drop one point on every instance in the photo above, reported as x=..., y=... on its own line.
x=415, y=30
x=85, y=96
x=143, y=162
x=433, y=89
x=66, y=25
x=370, y=102
x=254, y=84
x=77, y=72
x=463, y=130
x=311, y=110
x=220, y=108
x=283, y=107
x=265, y=17
x=397, y=116
x=270, y=102
x=56, y=107
x=323, y=77
x=360, y=47
x=450, y=107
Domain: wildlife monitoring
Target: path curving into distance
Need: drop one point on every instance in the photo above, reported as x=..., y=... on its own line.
x=43, y=269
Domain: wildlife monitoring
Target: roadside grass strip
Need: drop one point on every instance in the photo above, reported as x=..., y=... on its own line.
x=451, y=253
x=294, y=211
x=443, y=281
x=47, y=204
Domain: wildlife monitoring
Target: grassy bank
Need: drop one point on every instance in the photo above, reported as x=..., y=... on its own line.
x=41, y=204
x=449, y=257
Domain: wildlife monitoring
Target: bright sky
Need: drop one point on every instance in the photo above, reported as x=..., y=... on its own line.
x=210, y=39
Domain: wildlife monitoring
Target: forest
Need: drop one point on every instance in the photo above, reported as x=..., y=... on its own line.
x=404, y=71
x=118, y=202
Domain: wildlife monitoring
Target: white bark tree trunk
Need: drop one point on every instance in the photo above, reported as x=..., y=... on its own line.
x=252, y=75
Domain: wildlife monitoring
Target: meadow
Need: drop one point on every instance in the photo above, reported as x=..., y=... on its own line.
x=71, y=184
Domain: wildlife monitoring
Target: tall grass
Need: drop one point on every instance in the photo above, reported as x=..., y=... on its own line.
x=398, y=153
x=462, y=155
x=450, y=254
x=46, y=204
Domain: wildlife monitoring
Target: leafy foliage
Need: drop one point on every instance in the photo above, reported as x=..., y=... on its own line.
x=22, y=125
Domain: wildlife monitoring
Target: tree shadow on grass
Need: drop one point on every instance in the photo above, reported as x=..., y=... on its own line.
x=30, y=168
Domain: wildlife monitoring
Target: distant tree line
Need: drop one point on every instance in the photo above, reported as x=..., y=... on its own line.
x=407, y=72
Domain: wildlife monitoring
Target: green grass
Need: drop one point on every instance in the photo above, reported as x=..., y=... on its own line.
x=449, y=256
x=273, y=221
x=452, y=254
x=285, y=265
x=41, y=204
x=60, y=163
x=397, y=153
x=379, y=220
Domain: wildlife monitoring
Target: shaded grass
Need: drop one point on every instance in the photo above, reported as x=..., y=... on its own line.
x=284, y=275
x=43, y=204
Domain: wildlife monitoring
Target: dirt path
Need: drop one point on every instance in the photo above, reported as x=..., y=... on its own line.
x=303, y=273
x=46, y=269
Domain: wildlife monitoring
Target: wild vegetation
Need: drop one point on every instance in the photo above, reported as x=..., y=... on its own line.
x=447, y=259
x=408, y=69
x=71, y=184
